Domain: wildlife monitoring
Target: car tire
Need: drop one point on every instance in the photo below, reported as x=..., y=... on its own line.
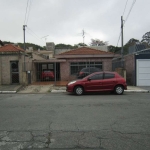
x=119, y=90
x=78, y=90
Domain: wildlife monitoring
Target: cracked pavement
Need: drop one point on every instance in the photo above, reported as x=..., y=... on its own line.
x=64, y=121
x=17, y=140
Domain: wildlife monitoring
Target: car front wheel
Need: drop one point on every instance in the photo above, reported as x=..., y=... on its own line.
x=119, y=90
x=78, y=90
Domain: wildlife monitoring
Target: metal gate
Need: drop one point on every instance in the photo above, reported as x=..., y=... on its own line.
x=14, y=70
x=47, y=71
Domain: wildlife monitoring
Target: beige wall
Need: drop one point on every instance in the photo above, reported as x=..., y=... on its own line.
x=5, y=74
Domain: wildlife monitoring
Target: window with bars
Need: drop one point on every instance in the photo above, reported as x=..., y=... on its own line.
x=75, y=67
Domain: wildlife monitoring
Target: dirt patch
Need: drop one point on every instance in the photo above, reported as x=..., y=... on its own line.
x=40, y=88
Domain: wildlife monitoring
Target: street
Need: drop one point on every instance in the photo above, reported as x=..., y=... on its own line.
x=62, y=120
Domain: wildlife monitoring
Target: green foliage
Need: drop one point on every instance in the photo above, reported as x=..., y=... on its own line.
x=117, y=50
x=35, y=47
x=67, y=46
x=114, y=49
x=63, y=46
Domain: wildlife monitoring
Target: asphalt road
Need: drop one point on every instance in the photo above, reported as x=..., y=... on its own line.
x=61, y=120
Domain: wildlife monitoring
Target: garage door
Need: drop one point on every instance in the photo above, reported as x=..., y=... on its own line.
x=143, y=72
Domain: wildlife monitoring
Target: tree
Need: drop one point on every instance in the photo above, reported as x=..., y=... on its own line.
x=114, y=49
x=64, y=46
x=146, y=38
x=97, y=42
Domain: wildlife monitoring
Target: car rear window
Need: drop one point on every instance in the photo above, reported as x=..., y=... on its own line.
x=109, y=75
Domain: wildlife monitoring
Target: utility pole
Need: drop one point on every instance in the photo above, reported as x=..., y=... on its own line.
x=24, y=45
x=122, y=41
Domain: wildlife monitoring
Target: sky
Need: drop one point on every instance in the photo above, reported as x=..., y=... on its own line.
x=63, y=21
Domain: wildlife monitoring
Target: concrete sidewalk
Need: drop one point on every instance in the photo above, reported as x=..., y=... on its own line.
x=54, y=89
x=10, y=88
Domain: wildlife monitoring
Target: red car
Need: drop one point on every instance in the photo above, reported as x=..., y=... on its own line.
x=98, y=81
x=47, y=74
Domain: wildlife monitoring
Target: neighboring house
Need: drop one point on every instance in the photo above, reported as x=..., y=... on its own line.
x=136, y=47
x=137, y=66
x=79, y=58
x=12, y=65
x=66, y=65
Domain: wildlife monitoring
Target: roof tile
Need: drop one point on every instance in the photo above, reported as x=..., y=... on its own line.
x=85, y=51
x=10, y=48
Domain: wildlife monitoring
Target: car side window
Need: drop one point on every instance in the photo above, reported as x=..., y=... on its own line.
x=97, y=76
x=109, y=75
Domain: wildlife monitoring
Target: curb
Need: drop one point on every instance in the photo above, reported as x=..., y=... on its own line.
x=137, y=91
x=8, y=92
x=130, y=91
x=58, y=91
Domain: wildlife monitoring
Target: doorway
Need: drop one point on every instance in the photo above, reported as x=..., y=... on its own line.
x=14, y=70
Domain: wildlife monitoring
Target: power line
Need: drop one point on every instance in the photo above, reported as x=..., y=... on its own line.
x=118, y=39
x=125, y=7
x=26, y=11
x=29, y=11
x=130, y=10
x=34, y=35
x=126, y=17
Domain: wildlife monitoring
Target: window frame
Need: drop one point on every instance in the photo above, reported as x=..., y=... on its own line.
x=80, y=65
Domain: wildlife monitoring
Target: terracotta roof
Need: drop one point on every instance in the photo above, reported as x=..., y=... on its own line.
x=85, y=51
x=10, y=48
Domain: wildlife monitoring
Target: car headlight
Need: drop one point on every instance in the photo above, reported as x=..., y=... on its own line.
x=71, y=82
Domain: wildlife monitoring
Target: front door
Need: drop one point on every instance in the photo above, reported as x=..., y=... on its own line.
x=14, y=70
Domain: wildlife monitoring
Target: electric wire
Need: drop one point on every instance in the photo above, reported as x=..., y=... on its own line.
x=34, y=35
x=125, y=8
x=26, y=11
x=126, y=17
x=30, y=3
x=130, y=11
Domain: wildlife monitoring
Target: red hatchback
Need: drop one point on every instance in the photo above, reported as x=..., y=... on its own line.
x=47, y=74
x=98, y=81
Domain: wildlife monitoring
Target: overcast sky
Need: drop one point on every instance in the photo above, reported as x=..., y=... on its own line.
x=62, y=21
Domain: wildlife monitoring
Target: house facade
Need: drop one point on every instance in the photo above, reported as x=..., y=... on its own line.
x=83, y=57
x=12, y=65
x=137, y=67
x=19, y=67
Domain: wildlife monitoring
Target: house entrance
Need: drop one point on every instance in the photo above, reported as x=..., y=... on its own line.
x=14, y=70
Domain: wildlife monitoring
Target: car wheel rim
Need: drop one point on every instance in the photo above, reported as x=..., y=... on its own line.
x=119, y=90
x=79, y=91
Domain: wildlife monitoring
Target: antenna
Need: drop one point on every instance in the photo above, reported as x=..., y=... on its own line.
x=45, y=37
x=83, y=35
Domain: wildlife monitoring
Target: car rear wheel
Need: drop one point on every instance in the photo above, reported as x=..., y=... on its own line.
x=119, y=90
x=78, y=90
